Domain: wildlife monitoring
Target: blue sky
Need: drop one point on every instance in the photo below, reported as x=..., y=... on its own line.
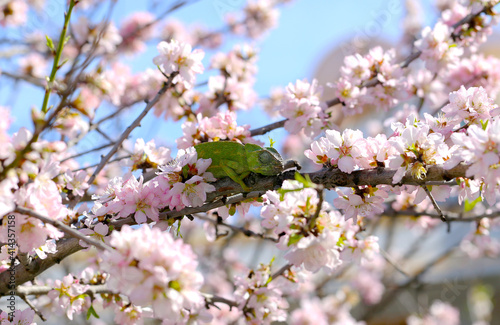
x=307, y=30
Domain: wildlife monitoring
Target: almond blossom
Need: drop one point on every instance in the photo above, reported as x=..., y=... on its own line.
x=178, y=57
x=21, y=317
x=471, y=105
x=149, y=274
x=13, y=13
x=439, y=313
x=480, y=148
x=365, y=202
x=68, y=296
x=417, y=149
x=259, y=297
x=302, y=107
x=436, y=46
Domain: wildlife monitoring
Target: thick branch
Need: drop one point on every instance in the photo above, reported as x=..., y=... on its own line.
x=23, y=274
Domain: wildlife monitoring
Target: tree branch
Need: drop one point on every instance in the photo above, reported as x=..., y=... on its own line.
x=68, y=230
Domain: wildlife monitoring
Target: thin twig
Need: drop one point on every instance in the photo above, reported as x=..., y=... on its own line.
x=244, y=231
x=312, y=221
x=129, y=130
x=283, y=269
x=33, y=307
x=436, y=206
x=68, y=230
x=87, y=152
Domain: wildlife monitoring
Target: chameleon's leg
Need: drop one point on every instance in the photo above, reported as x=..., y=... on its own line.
x=234, y=176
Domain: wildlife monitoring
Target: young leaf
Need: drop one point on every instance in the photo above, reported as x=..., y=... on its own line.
x=50, y=43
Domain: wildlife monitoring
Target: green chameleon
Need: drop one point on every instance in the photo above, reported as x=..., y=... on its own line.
x=237, y=161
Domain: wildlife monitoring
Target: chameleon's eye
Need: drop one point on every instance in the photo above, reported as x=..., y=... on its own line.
x=265, y=157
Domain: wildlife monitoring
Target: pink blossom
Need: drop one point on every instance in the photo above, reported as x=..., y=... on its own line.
x=71, y=124
x=132, y=315
x=370, y=287
x=222, y=126
x=417, y=149
x=315, y=253
x=239, y=63
x=176, y=56
x=439, y=313
x=147, y=155
x=319, y=151
x=436, y=48
x=263, y=297
x=478, y=70
x=13, y=13
x=191, y=193
x=480, y=148
x=103, y=38
x=98, y=232
x=33, y=65
x=345, y=149
x=135, y=30
x=236, y=94
x=302, y=107
x=471, y=105
x=21, y=317
x=367, y=203
x=149, y=274
x=68, y=296
x=76, y=182
x=259, y=18
x=141, y=200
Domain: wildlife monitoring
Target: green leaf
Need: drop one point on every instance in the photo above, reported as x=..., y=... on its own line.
x=50, y=43
x=469, y=205
x=91, y=312
x=484, y=124
x=271, y=142
x=306, y=181
x=294, y=239
x=232, y=209
x=283, y=191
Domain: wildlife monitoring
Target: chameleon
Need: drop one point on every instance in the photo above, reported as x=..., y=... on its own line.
x=237, y=161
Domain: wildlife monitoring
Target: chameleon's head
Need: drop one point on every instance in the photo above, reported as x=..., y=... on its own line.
x=265, y=161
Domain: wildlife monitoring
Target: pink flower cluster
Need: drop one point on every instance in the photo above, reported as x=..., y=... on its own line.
x=259, y=16
x=24, y=317
x=302, y=107
x=147, y=155
x=136, y=30
x=479, y=243
x=13, y=13
x=379, y=66
x=349, y=150
x=470, y=105
x=68, y=296
x=365, y=202
x=43, y=196
x=476, y=70
x=151, y=268
x=222, y=126
x=312, y=247
x=178, y=57
x=437, y=46
x=333, y=309
x=260, y=299
x=439, y=313
x=480, y=147
x=182, y=182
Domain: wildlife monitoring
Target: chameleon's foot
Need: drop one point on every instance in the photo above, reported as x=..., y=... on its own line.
x=245, y=188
